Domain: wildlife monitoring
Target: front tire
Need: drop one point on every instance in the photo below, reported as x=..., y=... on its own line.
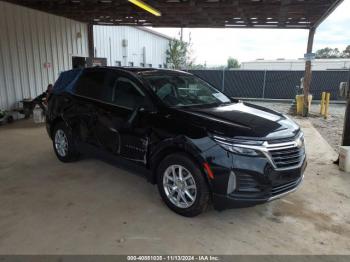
x=182, y=185
x=64, y=144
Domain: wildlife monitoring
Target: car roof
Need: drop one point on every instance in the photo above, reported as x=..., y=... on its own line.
x=143, y=71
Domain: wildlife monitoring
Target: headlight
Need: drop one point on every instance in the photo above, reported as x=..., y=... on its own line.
x=300, y=142
x=240, y=150
x=241, y=147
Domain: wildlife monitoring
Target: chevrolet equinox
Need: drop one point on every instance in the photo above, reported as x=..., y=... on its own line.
x=198, y=144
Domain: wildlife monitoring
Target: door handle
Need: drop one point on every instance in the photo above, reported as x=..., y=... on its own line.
x=113, y=130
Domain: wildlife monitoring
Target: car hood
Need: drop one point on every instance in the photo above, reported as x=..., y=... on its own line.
x=241, y=120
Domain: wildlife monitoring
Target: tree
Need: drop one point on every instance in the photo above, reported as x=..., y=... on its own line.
x=179, y=53
x=232, y=63
x=346, y=52
x=176, y=53
x=190, y=60
x=328, y=52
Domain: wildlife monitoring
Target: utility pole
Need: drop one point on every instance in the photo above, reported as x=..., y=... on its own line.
x=308, y=72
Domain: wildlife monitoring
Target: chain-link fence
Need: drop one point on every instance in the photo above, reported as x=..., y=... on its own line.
x=272, y=84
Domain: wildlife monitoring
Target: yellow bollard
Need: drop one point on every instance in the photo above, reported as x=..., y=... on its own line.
x=309, y=101
x=300, y=104
x=328, y=97
x=322, y=103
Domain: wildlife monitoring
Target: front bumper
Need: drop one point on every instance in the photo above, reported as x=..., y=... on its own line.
x=222, y=202
x=257, y=181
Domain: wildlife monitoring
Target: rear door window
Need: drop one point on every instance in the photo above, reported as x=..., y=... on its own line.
x=107, y=86
x=92, y=84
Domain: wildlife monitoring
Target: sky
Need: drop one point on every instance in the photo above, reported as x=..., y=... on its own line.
x=214, y=46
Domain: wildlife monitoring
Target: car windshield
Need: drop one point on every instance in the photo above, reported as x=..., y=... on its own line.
x=185, y=90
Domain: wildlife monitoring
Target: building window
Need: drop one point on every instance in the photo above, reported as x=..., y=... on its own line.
x=142, y=64
x=160, y=66
x=118, y=63
x=165, y=66
x=150, y=65
x=131, y=64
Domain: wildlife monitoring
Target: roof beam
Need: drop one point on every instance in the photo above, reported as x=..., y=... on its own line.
x=193, y=13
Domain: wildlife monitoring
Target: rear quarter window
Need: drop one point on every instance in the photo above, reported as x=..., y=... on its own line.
x=91, y=84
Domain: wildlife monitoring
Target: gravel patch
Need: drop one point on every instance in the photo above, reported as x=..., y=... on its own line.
x=331, y=128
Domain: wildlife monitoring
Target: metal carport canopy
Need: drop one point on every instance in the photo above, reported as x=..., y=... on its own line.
x=191, y=13
x=287, y=14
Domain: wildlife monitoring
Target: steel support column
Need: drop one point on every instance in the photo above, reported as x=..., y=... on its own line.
x=308, y=72
x=91, y=40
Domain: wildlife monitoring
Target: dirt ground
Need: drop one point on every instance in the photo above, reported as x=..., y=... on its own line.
x=331, y=128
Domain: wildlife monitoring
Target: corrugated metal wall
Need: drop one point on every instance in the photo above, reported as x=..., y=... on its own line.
x=29, y=40
x=108, y=43
x=272, y=84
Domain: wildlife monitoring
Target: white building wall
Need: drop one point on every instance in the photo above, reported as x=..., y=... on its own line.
x=108, y=43
x=318, y=64
x=29, y=39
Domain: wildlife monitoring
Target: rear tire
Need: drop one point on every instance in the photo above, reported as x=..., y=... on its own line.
x=182, y=185
x=64, y=144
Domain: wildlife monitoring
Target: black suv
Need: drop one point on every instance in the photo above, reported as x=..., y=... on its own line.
x=198, y=143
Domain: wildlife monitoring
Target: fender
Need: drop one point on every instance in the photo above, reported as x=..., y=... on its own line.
x=172, y=145
x=53, y=119
x=56, y=120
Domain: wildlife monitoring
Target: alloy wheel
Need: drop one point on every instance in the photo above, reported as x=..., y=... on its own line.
x=61, y=143
x=179, y=186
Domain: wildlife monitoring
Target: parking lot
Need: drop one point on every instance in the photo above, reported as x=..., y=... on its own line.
x=98, y=207
x=135, y=78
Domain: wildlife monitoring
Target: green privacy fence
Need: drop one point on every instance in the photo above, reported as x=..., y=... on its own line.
x=272, y=84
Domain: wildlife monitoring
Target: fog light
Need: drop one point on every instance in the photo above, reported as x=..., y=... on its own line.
x=231, y=186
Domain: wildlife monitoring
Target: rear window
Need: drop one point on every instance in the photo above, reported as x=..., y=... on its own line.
x=66, y=81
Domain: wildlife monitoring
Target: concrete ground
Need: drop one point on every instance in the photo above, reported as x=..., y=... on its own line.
x=94, y=207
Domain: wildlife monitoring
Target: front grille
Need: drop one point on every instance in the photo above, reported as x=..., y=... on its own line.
x=280, y=189
x=288, y=154
x=287, y=157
